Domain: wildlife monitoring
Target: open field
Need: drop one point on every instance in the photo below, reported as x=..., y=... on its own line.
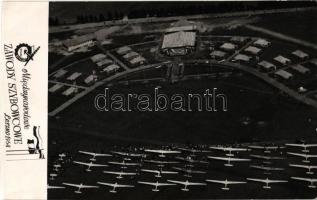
x=215, y=127
x=298, y=25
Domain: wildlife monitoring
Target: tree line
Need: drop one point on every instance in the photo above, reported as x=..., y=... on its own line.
x=168, y=9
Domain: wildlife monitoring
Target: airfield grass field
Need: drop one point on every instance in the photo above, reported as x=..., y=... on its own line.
x=257, y=113
x=247, y=98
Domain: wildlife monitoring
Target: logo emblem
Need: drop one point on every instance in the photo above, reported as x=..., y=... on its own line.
x=24, y=52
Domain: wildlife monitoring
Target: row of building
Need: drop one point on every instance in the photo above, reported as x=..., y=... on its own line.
x=133, y=58
x=73, y=77
x=105, y=64
x=233, y=45
x=67, y=92
x=254, y=50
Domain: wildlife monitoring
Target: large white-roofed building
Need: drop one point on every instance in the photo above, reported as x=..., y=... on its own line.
x=179, y=43
x=180, y=38
x=79, y=42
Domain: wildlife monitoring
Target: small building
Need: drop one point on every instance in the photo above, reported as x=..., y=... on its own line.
x=282, y=60
x=90, y=79
x=266, y=66
x=262, y=43
x=55, y=87
x=238, y=39
x=130, y=55
x=111, y=69
x=241, y=58
x=301, y=69
x=253, y=50
x=123, y=50
x=300, y=54
x=74, y=76
x=217, y=54
x=60, y=73
x=98, y=57
x=137, y=61
x=228, y=46
x=284, y=74
x=104, y=62
x=70, y=91
x=79, y=42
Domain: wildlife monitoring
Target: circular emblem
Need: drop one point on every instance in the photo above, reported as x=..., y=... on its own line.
x=23, y=52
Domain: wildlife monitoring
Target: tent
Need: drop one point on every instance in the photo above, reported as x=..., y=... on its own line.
x=300, y=68
x=284, y=74
x=300, y=54
x=242, y=57
x=228, y=46
x=253, y=50
x=70, y=91
x=55, y=87
x=60, y=73
x=98, y=57
x=218, y=54
x=104, y=62
x=267, y=65
x=137, y=60
x=130, y=55
x=74, y=76
x=123, y=50
x=262, y=43
x=282, y=60
x=111, y=68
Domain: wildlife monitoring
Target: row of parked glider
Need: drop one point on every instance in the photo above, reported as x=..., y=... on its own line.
x=190, y=160
x=185, y=184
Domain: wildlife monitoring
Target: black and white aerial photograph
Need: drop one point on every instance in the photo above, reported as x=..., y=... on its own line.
x=182, y=100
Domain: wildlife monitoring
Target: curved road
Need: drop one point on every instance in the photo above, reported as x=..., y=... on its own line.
x=262, y=76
